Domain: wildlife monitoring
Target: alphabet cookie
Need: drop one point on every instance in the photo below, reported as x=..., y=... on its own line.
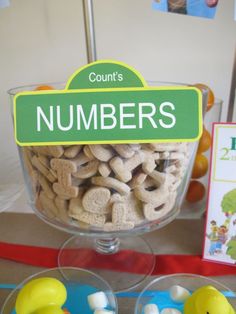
x=96, y=200
x=119, y=219
x=48, y=205
x=101, y=152
x=64, y=188
x=154, y=212
x=77, y=212
x=72, y=151
x=151, y=193
x=124, y=150
x=88, y=170
x=112, y=183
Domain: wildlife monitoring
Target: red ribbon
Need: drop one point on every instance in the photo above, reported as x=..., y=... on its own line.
x=85, y=258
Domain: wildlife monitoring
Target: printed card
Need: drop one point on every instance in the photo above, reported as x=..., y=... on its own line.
x=220, y=233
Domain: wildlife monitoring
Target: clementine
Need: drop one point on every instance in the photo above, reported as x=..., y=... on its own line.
x=196, y=192
x=200, y=166
x=211, y=96
x=205, y=141
x=43, y=87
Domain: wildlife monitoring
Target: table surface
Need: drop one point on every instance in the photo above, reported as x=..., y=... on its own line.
x=179, y=237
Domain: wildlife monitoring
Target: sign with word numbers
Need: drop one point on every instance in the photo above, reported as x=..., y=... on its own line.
x=108, y=102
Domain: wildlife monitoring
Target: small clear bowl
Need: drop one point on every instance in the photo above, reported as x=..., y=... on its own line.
x=79, y=284
x=158, y=290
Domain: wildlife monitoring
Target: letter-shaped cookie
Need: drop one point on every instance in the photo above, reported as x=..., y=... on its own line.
x=101, y=152
x=123, y=169
x=153, y=212
x=88, y=170
x=62, y=206
x=46, y=186
x=112, y=183
x=48, y=205
x=96, y=199
x=54, y=151
x=64, y=169
x=124, y=150
x=72, y=151
x=119, y=219
x=118, y=166
x=167, y=147
x=104, y=169
x=77, y=212
x=151, y=193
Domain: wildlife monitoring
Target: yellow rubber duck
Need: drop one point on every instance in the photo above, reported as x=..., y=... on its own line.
x=41, y=296
x=207, y=300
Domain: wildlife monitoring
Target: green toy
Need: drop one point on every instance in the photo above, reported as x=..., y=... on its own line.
x=208, y=300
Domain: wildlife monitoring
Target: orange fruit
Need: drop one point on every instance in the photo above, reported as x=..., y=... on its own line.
x=43, y=87
x=196, y=192
x=200, y=166
x=205, y=141
x=211, y=96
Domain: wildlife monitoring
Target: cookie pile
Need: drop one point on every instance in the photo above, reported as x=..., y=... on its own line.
x=109, y=187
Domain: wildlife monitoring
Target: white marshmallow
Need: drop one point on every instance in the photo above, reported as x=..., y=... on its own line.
x=179, y=294
x=97, y=300
x=170, y=311
x=151, y=309
x=99, y=311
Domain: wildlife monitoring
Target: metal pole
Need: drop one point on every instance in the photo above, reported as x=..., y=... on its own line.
x=89, y=30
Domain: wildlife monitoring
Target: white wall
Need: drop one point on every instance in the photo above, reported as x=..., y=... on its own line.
x=43, y=41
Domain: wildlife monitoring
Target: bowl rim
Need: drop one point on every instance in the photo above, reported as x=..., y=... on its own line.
x=60, y=269
x=177, y=275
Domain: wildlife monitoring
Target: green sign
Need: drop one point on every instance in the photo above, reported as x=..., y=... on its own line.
x=118, y=113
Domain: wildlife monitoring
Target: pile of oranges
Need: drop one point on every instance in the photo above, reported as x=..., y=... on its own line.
x=196, y=190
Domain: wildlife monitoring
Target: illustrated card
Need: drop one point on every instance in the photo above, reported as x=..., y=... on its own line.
x=220, y=233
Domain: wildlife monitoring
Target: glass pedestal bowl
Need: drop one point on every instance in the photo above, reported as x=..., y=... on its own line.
x=79, y=284
x=113, y=193
x=157, y=291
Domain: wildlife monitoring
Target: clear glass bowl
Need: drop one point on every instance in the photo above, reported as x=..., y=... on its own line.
x=79, y=284
x=158, y=290
x=150, y=181
x=130, y=190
